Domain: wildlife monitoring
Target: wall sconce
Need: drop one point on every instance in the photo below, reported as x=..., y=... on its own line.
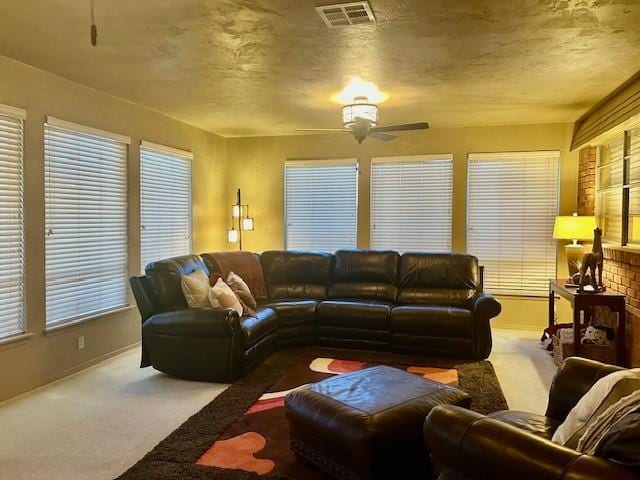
x=240, y=221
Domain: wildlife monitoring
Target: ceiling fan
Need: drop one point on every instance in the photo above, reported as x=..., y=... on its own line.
x=360, y=119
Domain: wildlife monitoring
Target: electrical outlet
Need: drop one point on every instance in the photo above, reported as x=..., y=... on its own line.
x=81, y=342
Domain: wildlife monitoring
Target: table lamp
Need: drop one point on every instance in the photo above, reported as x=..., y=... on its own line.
x=574, y=228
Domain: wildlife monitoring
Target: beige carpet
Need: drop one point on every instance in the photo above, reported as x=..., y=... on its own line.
x=99, y=422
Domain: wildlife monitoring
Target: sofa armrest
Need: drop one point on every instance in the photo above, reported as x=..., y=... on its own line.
x=480, y=448
x=486, y=306
x=574, y=378
x=195, y=322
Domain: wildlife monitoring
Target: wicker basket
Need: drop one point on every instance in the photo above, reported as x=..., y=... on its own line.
x=601, y=353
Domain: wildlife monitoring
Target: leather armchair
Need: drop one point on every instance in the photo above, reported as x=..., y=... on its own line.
x=516, y=445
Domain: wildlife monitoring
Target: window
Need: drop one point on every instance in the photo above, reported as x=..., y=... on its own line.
x=321, y=203
x=11, y=224
x=633, y=166
x=512, y=203
x=86, y=221
x=610, y=180
x=165, y=203
x=618, y=188
x=411, y=203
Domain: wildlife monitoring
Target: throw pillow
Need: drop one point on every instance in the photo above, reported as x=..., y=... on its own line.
x=213, y=278
x=621, y=444
x=245, y=298
x=604, y=393
x=601, y=427
x=221, y=296
x=195, y=287
x=239, y=286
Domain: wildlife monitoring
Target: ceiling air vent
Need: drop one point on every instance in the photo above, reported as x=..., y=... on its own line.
x=341, y=14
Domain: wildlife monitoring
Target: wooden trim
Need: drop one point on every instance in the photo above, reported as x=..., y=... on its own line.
x=166, y=149
x=617, y=107
x=79, y=128
x=14, y=112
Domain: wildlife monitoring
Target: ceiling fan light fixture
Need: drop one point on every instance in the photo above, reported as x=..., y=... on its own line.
x=359, y=109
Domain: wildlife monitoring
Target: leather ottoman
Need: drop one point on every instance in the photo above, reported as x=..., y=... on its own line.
x=367, y=424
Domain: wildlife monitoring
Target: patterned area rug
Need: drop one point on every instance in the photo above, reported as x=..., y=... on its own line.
x=243, y=433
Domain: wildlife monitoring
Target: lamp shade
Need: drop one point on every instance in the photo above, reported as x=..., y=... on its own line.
x=573, y=227
x=247, y=224
x=233, y=235
x=360, y=109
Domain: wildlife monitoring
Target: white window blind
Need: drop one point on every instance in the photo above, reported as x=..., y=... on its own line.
x=512, y=203
x=321, y=203
x=411, y=203
x=12, y=320
x=86, y=221
x=165, y=203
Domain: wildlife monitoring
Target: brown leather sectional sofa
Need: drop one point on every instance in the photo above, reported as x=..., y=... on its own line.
x=422, y=303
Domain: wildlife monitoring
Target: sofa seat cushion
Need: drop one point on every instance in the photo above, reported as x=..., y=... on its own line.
x=369, y=314
x=257, y=326
x=538, y=425
x=384, y=292
x=434, y=321
x=292, y=312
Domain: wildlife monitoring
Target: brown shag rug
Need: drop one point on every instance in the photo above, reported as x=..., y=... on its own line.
x=242, y=433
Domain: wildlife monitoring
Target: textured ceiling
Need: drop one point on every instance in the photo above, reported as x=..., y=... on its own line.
x=249, y=67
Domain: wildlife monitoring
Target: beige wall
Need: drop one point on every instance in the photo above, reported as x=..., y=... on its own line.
x=257, y=165
x=42, y=357
x=219, y=167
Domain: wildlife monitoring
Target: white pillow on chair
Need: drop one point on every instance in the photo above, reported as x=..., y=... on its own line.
x=604, y=393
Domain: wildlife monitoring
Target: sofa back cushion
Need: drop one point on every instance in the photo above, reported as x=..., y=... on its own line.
x=245, y=264
x=291, y=274
x=446, y=279
x=365, y=274
x=165, y=277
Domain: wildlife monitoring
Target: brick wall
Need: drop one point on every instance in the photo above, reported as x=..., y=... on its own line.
x=622, y=275
x=587, y=181
x=621, y=267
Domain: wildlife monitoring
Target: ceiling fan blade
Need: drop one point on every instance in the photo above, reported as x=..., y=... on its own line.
x=322, y=130
x=405, y=126
x=385, y=137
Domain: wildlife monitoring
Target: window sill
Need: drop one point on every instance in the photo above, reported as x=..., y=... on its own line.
x=61, y=327
x=626, y=248
x=15, y=339
x=540, y=298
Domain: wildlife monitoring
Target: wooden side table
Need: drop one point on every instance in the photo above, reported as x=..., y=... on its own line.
x=582, y=302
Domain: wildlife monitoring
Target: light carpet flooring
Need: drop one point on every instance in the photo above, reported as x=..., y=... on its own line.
x=97, y=423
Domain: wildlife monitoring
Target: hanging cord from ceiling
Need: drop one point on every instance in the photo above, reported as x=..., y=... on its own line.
x=94, y=29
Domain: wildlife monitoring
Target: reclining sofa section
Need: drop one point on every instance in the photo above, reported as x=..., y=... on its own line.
x=419, y=303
